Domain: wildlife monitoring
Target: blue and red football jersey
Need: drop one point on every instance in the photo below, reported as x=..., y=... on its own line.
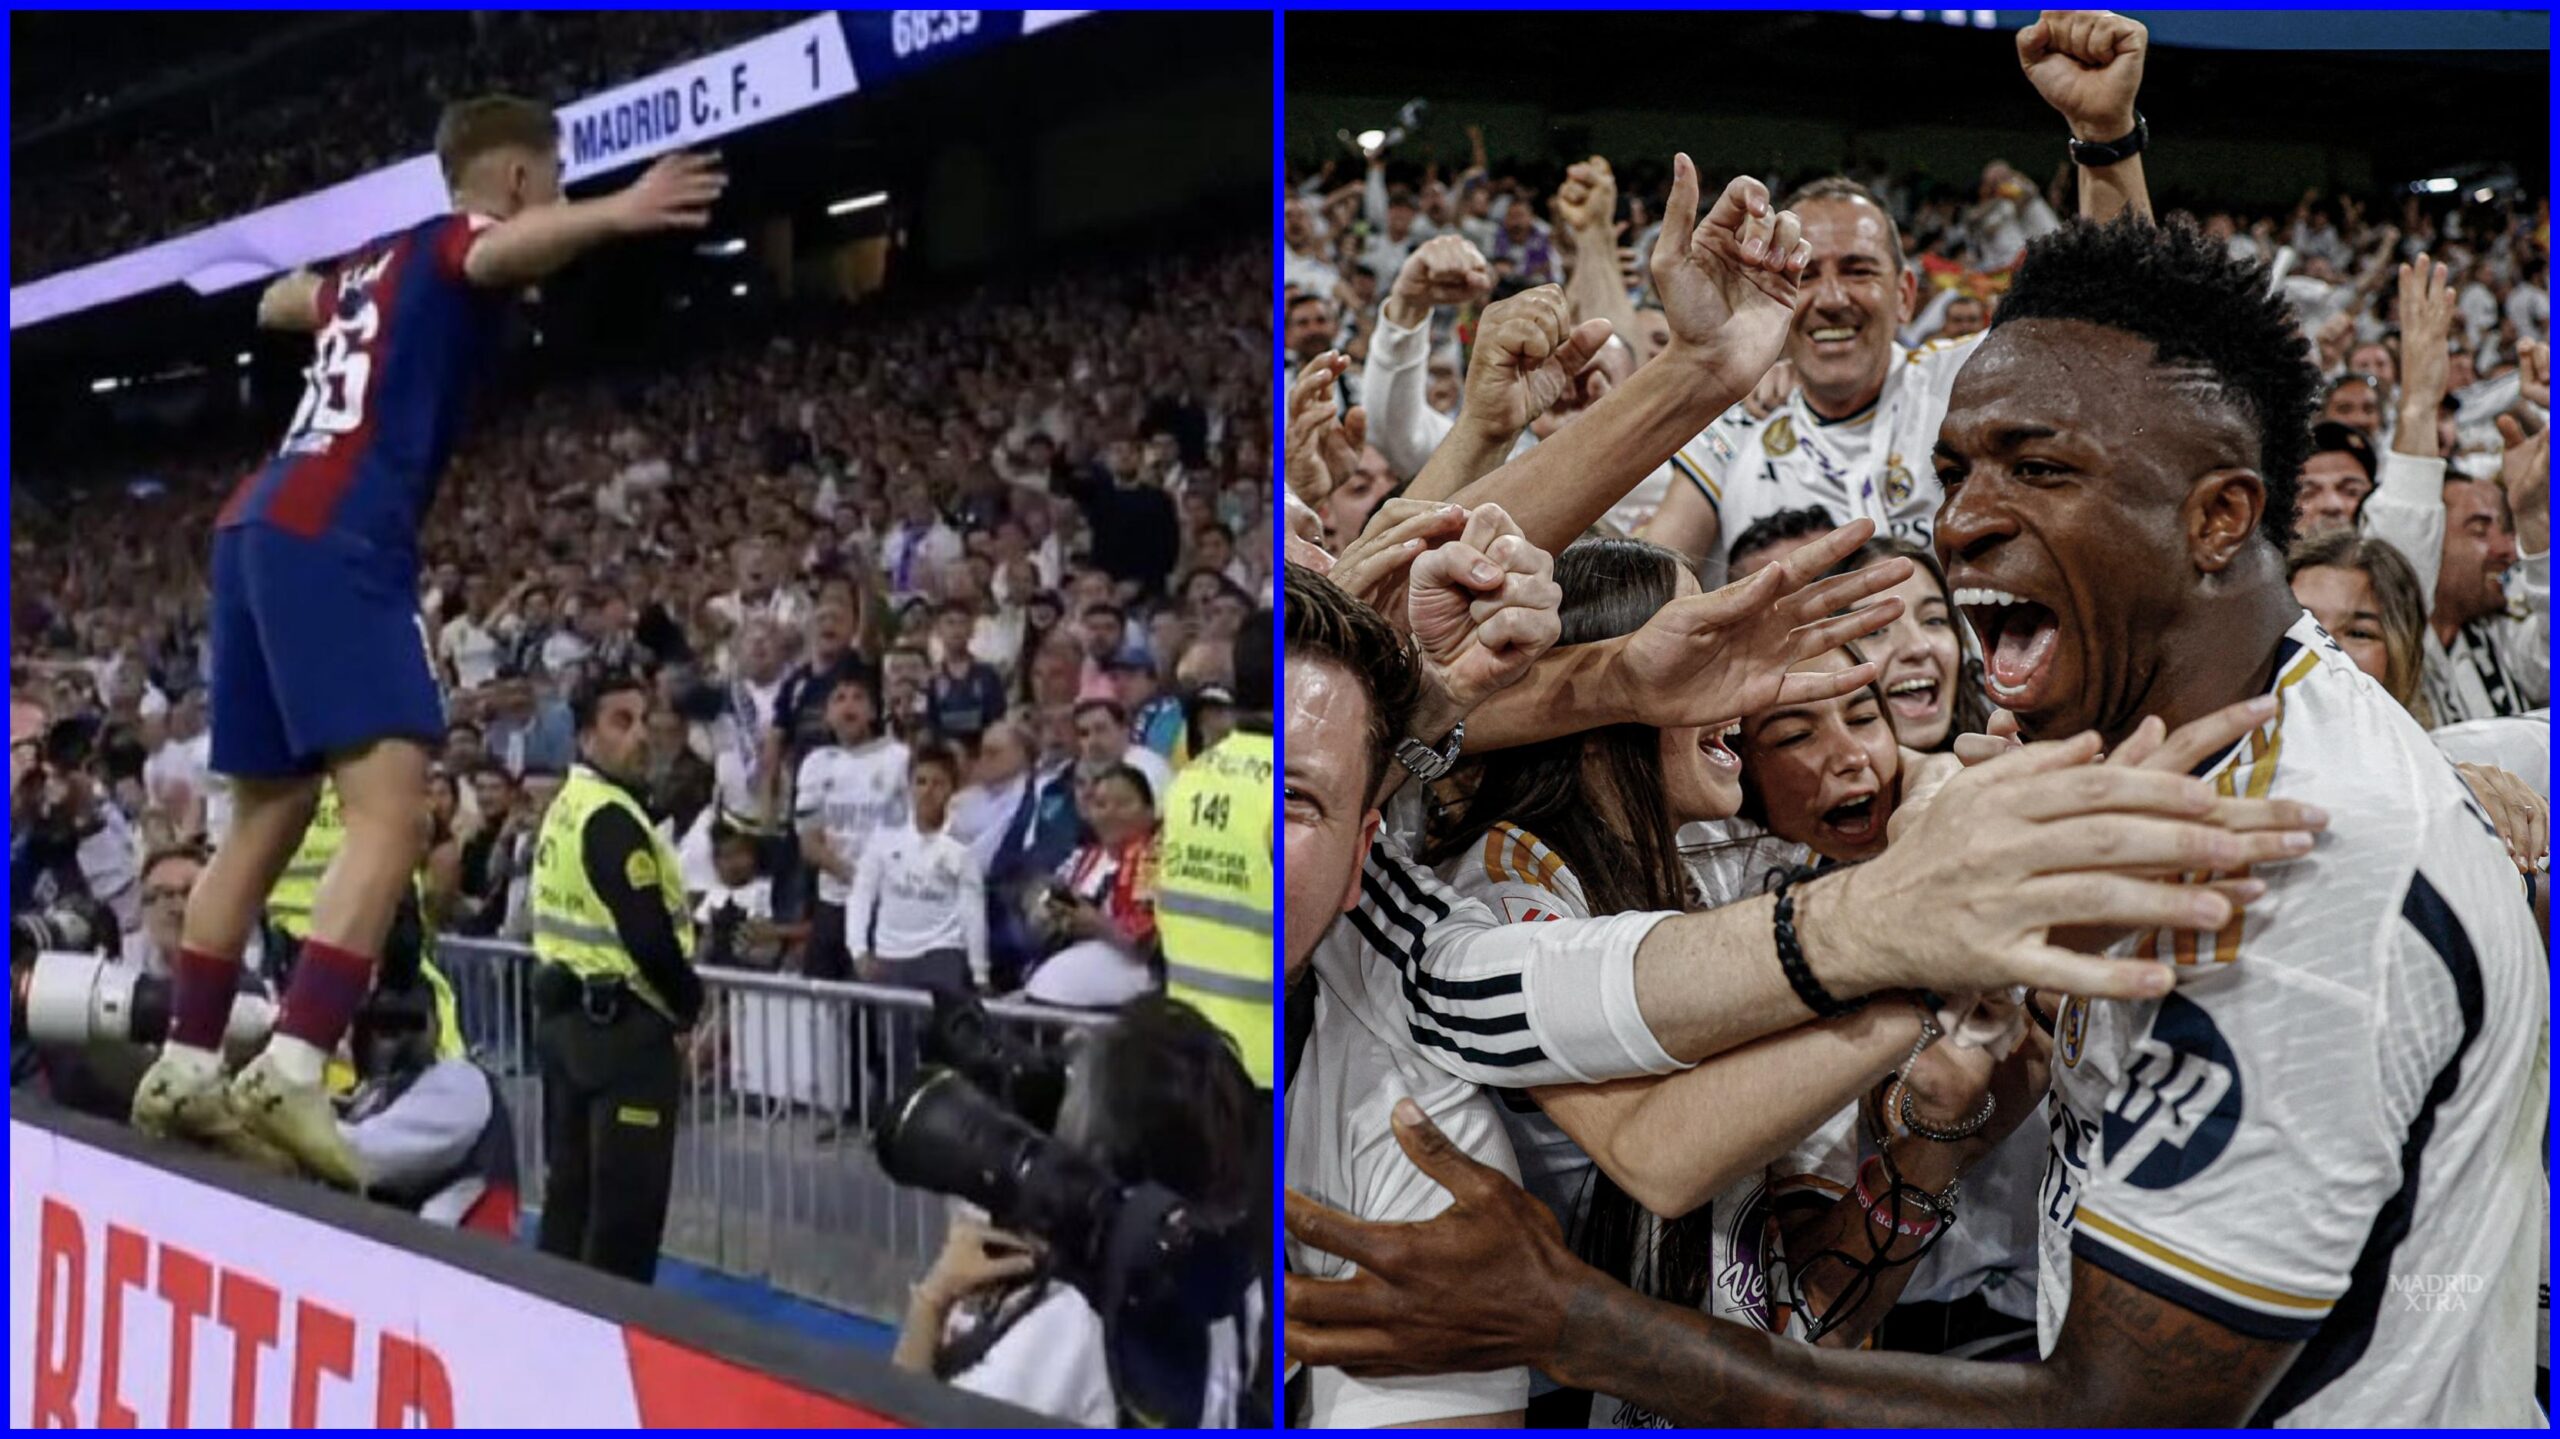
x=403, y=337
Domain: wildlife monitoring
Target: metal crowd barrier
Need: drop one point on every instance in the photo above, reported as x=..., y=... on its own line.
x=775, y=1179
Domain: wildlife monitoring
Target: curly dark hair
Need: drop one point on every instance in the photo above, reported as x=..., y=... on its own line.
x=2182, y=291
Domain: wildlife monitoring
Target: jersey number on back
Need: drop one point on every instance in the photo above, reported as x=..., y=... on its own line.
x=333, y=396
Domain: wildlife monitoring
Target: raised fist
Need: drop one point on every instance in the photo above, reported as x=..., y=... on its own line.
x=1588, y=197
x=2087, y=64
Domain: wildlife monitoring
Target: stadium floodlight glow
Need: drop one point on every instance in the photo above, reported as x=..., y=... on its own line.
x=2484, y=194
x=723, y=249
x=2440, y=185
x=106, y=386
x=859, y=202
x=244, y=359
x=738, y=290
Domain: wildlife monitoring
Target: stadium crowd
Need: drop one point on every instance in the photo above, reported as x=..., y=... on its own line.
x=232, y=147
x=1014, y=531
x=1646, y=580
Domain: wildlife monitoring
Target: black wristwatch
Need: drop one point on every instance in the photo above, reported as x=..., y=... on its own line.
x=2113, y=152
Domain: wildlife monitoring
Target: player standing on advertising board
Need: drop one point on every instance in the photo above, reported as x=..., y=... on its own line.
x=320, y=665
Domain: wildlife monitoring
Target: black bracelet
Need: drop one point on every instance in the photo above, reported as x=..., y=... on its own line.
x=1791, y=955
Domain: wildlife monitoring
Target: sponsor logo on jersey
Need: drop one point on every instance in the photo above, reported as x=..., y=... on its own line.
x=2173, y=1112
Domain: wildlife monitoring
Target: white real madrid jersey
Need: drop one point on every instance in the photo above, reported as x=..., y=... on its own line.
x=1342, y=1151
x=2331, y=1131
x=1874, y=463
x=1514, y=874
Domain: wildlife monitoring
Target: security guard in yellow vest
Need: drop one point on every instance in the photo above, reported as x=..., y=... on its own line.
x=1213, y=869
x=408, y=949
x=616, y=990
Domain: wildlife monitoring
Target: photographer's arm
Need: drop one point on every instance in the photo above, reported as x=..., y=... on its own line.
x=622, y=867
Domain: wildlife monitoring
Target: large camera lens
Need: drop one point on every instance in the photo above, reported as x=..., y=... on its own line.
x=948, y=1137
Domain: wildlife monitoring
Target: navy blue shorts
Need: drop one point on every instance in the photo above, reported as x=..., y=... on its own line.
x=318, y=649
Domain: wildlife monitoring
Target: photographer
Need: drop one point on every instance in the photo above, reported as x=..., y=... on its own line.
x=1159, y=1097
x=67, y=835
x=426, y=1128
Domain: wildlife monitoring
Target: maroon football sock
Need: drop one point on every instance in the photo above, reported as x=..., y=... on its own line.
x=329, y=986
x=200, y=990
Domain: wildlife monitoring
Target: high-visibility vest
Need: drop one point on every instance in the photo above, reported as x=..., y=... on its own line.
x=1213, y=892
x=289, y=907
x=289, y=903
x=571, y=926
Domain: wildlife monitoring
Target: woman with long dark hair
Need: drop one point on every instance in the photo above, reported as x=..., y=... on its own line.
x=1734, y=1186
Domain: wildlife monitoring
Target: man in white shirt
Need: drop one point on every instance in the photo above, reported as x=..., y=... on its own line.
x=1304, y=266
x=998, y=786
x=850, y=791
x=918, y=914
x=758, y=596
x=177, y=776
x=916, y=551
x=2529, y=305
x=1342, y=1081
x=468, y=643
x=1853, y=437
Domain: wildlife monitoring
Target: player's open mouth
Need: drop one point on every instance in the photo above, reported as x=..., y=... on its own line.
x=1714, y=743
x=1856, y=820
x=2018, y=638
x=1913, y=698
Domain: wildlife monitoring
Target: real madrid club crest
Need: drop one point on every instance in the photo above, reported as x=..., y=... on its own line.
x=2071, y=1031
x=1781, y=439
x=1897, y=482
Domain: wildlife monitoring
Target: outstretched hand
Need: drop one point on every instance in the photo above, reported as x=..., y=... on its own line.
x=2033, y=840
x=1323, y=441
x=2526, y=470
x=1719, y=656
x=675, y=193
x=1484, y=1285
x=1728, y=282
